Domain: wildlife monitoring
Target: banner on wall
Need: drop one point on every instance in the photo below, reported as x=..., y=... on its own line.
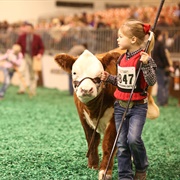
x=53, y=75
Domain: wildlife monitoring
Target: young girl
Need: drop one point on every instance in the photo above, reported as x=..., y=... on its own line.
x=131, y=37
x=13, y=58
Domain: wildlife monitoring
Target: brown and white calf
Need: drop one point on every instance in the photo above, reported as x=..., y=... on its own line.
x=94, y=101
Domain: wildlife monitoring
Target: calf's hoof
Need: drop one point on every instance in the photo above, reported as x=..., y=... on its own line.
x=93, y=167
x=101, y=176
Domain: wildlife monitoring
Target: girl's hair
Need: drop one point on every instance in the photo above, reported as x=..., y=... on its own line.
x=136, y=28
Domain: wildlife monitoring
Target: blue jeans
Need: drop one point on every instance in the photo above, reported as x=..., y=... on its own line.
x=8, y=73
x=129, y=144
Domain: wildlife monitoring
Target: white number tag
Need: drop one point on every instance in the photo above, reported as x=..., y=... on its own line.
x=126, y=77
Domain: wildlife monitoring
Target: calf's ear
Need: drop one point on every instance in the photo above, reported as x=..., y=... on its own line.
x=109, y=61
x=65, y=61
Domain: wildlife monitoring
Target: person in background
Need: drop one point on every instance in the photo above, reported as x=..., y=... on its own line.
x=176, y=16
x=164, y=68
x=162, y=22
x=13, y=59
x=131, y=37
x=32, y=49
x=76, y=50
x=56, y=33
x=177, y=11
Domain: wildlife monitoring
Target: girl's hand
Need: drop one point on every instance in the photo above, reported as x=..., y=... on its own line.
x=144, y=57
x=104, y=75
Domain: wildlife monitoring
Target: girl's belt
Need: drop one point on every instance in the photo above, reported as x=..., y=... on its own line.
x=132, y=103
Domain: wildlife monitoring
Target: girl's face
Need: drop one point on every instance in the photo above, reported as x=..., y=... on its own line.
x=124, y=42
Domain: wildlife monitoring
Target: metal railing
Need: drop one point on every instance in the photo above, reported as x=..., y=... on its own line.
x=97, y=40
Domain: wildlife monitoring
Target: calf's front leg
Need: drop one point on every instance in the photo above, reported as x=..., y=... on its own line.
x=107, y=145
x=93, y=156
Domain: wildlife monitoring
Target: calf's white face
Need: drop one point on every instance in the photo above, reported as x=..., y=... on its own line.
x=86, y=73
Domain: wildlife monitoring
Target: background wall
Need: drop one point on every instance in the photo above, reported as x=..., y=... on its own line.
x=15, y=10
x=31, y=10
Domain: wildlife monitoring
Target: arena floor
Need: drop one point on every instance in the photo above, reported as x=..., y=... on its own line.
x=42, y=138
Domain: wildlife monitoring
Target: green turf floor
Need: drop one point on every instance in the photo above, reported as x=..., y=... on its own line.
x=41, y=138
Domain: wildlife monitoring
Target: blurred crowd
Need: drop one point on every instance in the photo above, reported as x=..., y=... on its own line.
x=98, y=30
x=54, y=29
x=111, y=18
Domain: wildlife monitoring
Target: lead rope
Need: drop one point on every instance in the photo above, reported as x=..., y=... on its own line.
x=98, y=120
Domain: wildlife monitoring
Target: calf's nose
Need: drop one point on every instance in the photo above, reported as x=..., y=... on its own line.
x=86, y=91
